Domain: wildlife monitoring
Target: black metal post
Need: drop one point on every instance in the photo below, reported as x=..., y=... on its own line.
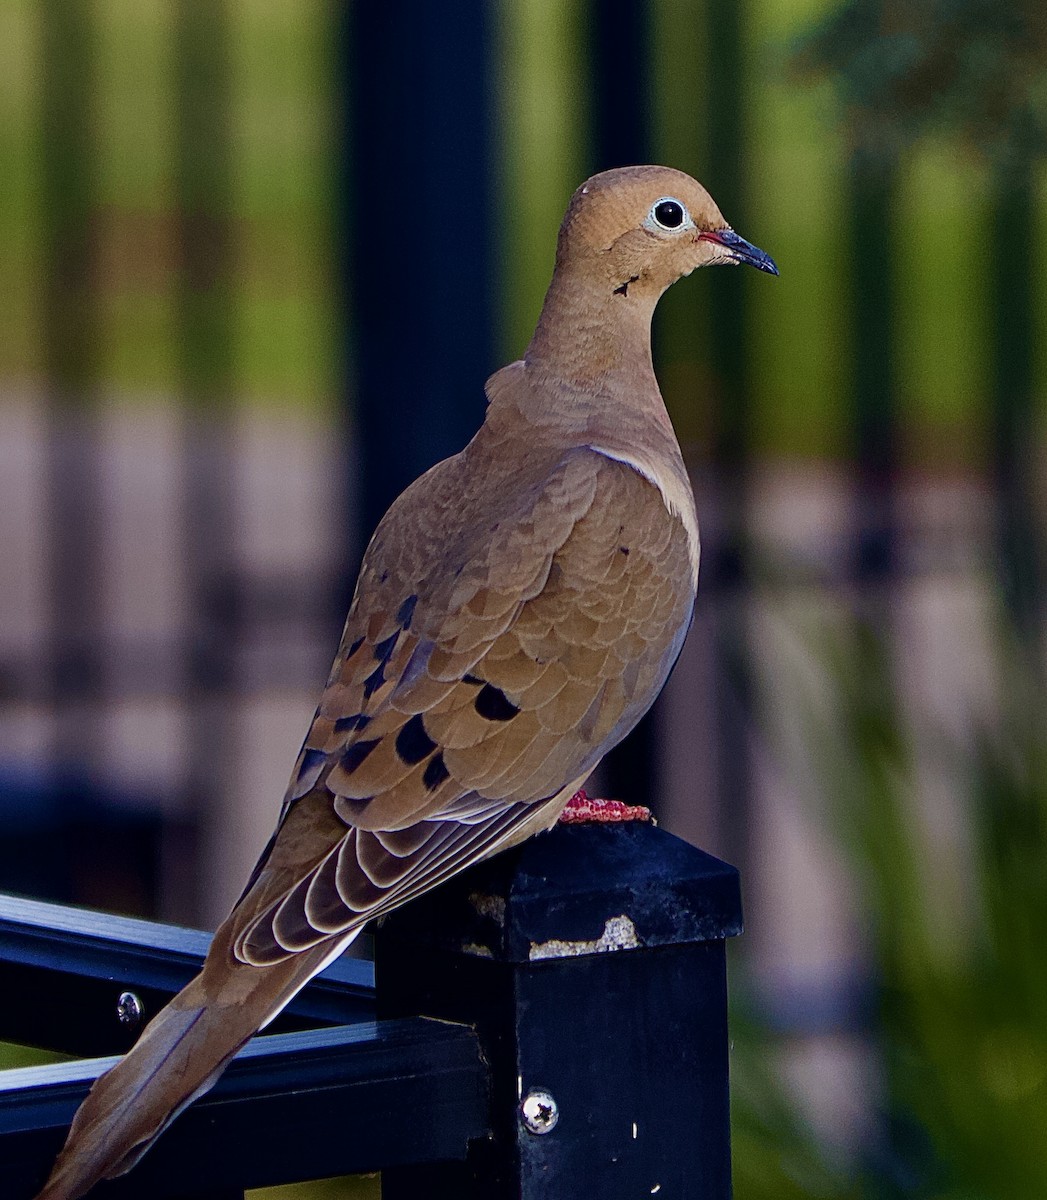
x=591, y=963
x=580, y=1045
x=419, y=215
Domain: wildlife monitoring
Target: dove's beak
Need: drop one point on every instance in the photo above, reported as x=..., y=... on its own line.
x=739, y=250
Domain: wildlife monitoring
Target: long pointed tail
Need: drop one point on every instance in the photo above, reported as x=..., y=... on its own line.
x=179, y=1056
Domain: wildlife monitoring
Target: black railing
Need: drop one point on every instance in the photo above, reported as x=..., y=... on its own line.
x=551, y=1023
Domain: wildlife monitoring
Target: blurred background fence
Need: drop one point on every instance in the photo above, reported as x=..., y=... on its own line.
x=256, y=260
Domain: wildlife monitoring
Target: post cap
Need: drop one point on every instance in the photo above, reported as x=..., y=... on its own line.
x=579, y=889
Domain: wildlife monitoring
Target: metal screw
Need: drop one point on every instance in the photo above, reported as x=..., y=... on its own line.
x=540, y=1111
x=129, y=1009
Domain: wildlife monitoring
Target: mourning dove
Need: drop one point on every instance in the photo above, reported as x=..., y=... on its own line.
x=518, y=610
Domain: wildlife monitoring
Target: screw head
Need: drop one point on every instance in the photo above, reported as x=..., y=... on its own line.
x=539, y=1111
x=129, y=1009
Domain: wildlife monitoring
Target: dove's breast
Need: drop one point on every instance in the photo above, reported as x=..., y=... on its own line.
x=675, y=491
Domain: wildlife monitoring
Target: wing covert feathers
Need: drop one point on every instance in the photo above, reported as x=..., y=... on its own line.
x=440, y=735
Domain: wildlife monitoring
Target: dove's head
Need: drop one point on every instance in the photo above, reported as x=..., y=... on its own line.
x=635, y=230
x=628, y=234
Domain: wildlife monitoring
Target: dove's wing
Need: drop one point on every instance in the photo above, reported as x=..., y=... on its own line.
x=460, y=717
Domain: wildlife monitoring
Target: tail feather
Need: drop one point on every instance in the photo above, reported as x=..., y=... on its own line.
x=179, y=1056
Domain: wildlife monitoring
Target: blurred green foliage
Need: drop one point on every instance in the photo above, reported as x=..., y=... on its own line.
x=977, y=68
x=285, y=317
x=953, y=922
x=14, y=1055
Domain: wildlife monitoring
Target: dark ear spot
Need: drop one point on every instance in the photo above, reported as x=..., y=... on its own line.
x=492, y=705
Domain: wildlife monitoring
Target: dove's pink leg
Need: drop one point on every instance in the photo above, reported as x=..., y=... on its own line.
x=582, y=809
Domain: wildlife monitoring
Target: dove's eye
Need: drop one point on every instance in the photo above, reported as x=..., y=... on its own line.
x=668, y=213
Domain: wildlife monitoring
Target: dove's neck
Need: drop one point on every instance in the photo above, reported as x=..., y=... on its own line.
x=587, y=379
x=589, y=375
x=595, y=340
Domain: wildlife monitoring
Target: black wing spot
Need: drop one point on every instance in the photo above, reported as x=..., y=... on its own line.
x=374, y=681
x=492, y=705
x=413, y=743
x=474, y=679
x=405, y=613
x=350, y=724
x=623, y=288
x=356, y=754
x=310, y=760
x=354, y=647
x=435, y=773
x=384, y=648
x=382, y=652
x=624, y=549
x=352, y=806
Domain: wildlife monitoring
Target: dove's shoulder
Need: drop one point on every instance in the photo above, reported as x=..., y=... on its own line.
x=494, y=510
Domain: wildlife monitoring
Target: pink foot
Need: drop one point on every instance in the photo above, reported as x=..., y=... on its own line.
x=582, y=810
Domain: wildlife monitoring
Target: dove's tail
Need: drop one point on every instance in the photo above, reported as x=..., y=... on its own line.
x=179, y=1056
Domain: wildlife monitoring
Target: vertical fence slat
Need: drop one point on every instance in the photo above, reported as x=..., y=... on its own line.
x=871, y=189
x=620, y=35
x=205, y=364
x=69, y=356
x=726, y=560
x=1014, y=443
x=418, y=196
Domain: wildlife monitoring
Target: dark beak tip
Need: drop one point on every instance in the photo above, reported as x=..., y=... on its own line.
x=745, y=252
